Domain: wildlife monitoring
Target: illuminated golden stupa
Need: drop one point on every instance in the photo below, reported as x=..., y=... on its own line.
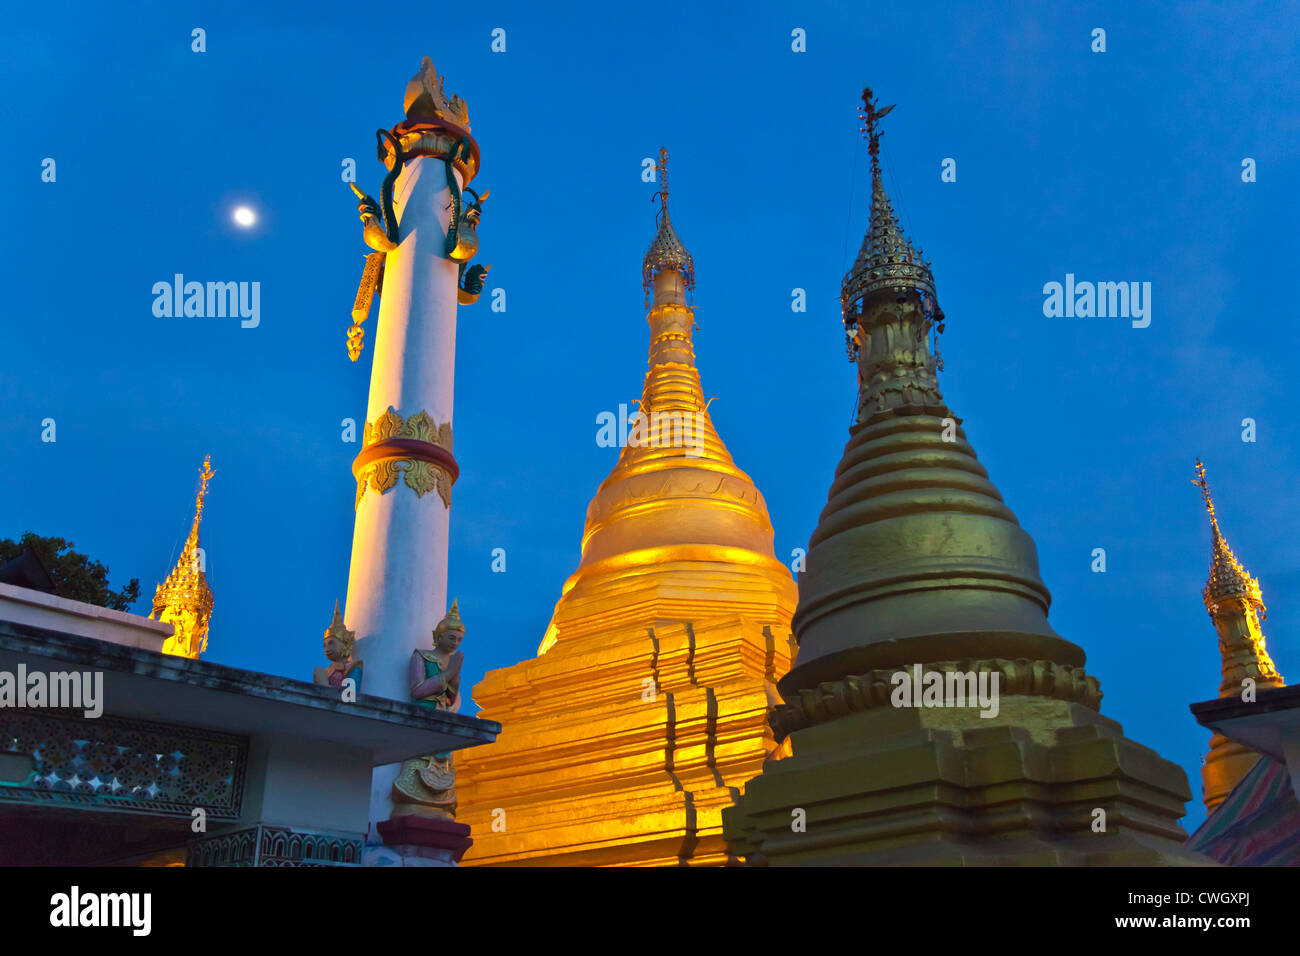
x=919, y=576
x=184, y=600
x=1236, y=606
x=645, y=710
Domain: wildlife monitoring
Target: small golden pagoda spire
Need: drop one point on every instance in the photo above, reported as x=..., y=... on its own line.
x=1232, y=597
x=1229, y=581
x=1236, y=606
x=184, y=600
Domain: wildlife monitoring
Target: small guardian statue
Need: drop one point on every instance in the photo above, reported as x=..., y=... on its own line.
x=426, y=786
x=339, y=645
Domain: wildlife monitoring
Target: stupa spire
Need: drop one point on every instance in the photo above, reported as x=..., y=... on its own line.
x=897, y=364
x=1236, y=606
x=184, y=599
x=887, y=260
x=651, y=686
x=667, y=255
x=919, y=574
x=675, y=507
x=1229, y=583
x=911, y=504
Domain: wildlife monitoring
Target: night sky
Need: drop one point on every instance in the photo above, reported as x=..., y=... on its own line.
x=1117, y=166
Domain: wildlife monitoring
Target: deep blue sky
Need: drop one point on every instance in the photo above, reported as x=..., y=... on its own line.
x=1116, y=166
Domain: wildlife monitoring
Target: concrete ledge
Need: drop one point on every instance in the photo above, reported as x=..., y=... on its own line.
x=149, y=685
x=38, y=609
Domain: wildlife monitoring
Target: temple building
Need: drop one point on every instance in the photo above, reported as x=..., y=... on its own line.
x=644, y=711
x=116, y=751
x=184, y=600
x=935, y=716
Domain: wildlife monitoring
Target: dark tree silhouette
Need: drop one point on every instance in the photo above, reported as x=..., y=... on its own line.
x=76, y=577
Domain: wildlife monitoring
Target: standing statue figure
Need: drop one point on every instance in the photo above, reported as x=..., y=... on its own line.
x=426, y=786
x=339, y=644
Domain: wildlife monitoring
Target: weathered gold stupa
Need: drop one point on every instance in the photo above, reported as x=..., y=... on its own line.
x=919, y=575
x=1236, y=606
x=184, y=600
x=645, y=710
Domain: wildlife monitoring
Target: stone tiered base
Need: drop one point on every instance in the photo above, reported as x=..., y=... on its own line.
x=889, y=787
x=622, y=748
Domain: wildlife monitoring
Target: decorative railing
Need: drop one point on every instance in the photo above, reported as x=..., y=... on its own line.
x=275, y=846
x=116, y=764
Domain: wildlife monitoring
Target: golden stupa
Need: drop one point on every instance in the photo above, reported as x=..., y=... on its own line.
x=1236, y=606
x=919, y=575
x=184, y=600
x=645, y=710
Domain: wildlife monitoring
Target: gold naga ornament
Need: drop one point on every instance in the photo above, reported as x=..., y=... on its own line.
x=416, y=448
x=184, y=599
x=436, y=126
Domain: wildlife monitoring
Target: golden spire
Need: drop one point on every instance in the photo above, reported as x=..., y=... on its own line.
x=667, y=252
x=675, y=517
x=1236, y=605
x=1228, y=581
x=184, y=600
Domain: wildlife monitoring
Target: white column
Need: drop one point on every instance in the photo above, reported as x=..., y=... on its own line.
x=397, y=583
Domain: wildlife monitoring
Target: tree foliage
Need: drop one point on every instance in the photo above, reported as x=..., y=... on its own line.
x=76, y=577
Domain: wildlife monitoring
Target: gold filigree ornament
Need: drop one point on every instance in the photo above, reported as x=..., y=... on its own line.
x=420, y=475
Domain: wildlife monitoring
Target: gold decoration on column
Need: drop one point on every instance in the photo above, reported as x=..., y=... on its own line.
x=184, y=600
x=645, y=710
x=1236, y=606
x=420, y=474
